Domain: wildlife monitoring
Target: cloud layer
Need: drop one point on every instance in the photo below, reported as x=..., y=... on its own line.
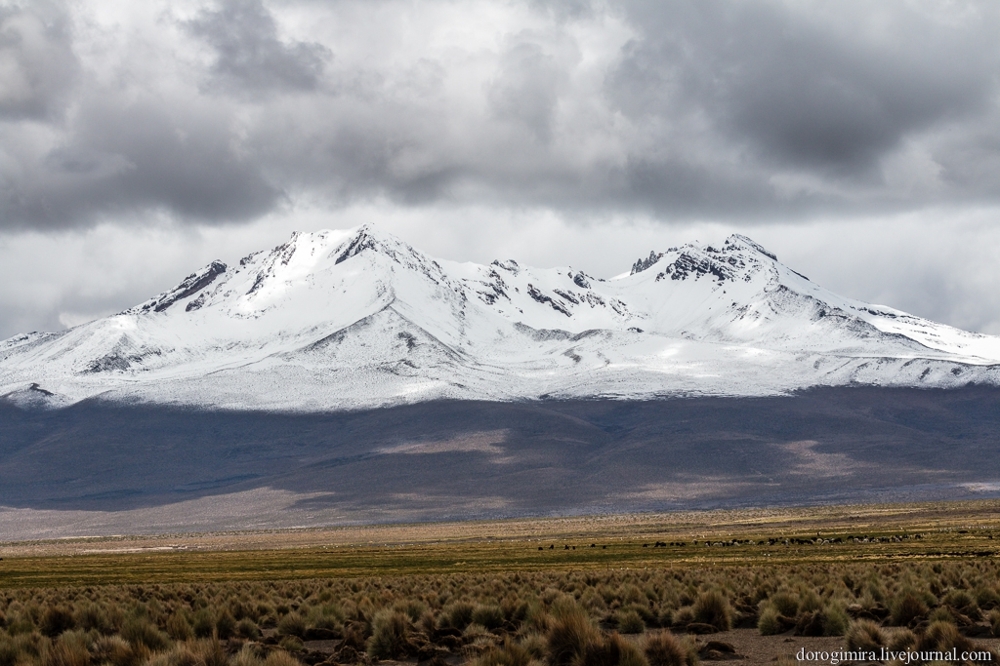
x=141, y=140
x=225, y=111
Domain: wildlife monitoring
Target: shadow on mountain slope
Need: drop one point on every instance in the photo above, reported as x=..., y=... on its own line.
x=475, y=459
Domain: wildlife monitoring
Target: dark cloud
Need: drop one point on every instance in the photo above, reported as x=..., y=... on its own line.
x=526, y=87
x=126, y=157
x=250, y=56
x=803, y=89
x=37, y=64
x=715, y=109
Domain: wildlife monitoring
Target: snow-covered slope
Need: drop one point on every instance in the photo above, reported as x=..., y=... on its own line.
x=342, y=320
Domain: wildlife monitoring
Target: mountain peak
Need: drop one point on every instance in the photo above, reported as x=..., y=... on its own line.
x=736, y=240
x=190, y=286
x=363, y=238
x=302, y=327
x=642, y=264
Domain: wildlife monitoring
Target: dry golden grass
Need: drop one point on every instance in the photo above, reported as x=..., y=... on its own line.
x=556, y=591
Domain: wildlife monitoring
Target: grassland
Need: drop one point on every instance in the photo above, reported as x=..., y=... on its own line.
x=561, y=592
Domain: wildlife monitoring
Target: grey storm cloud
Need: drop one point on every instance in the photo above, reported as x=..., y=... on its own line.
x=807, y=90
x=37, y=64
x=250, y=55
x=684, y=110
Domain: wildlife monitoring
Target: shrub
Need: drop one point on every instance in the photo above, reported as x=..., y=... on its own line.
x=291, y=644
x=458, y=615
x=865, y=635
x=490, y=616
x=116, y=650
x=768, y=623
x=56, y=620
x=993, y=617
x=247, y=656
x=331, y=617
x=179, y=628
x=810, y=623
x=907, y=607
x=901, y=639
x=535, y=644
x=204, y=623
x=785, y=603
x=941, y=614
x=8, y=651
x=208, y=652
x=569, y=636
x=665, y=649
x=280, y=658
x=962, y=602
x=140, y=631
x=987, y=598
x=292, y=625
x=390, y=637
x=70, y=649
x=629, y=622
x=810, y=601
x=510, y=654
x=413, y=608
x=714, y=609
x=90, y=617
x=247, y=628
x=943, y=636
x=835, y=620
x=225, y=624
x=683, y=616
x=610, y=651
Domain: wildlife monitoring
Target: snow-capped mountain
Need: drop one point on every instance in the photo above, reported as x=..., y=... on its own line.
x=344, y=320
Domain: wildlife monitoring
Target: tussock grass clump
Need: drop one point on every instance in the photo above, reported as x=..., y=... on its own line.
x=835, y=619
x=390, y=637
x=203, y=623
x=490, y=616
x=785, y=603
x=510, y=654
x=458, y=615
x=70, y=649
x=713, y=608
x=769, y=622
x=987, y=597
x=664, y=649
x=962, y=602
x=901, y=639
x=247, y=656
x=56, y=620
x=865, y=635
x=993, y=617
x=117, y=651
x=611, y=650
x=906, y=608
x=179, y=628
x=292, y=625
x=535, y=644
x=569, y=636
x=629, y=622
x=942, y=636
x=246, y=629
x=91, y=617
x=225, y=624
x=139, y=631
x=281, y=658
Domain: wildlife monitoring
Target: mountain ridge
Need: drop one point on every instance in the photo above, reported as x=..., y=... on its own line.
x=359, y=319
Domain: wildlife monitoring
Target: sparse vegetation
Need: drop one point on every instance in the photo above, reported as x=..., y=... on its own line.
x=520, y=609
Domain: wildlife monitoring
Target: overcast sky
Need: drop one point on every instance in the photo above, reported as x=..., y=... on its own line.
x=859, y=141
